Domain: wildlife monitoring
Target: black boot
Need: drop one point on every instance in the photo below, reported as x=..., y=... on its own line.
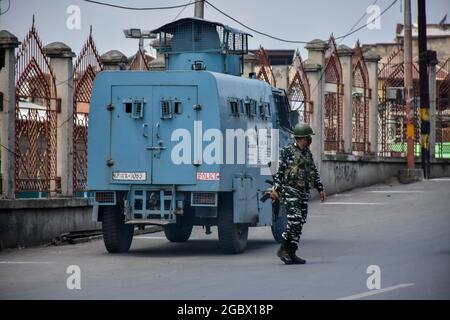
x=295, y=260
x=283, y=252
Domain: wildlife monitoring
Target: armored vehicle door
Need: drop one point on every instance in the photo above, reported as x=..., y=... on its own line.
x=130, y=124
x=173, y=118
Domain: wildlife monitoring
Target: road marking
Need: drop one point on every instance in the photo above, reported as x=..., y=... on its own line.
x=147, y=237
x=25, y=262
x=440, y=179
x=397, y=191
x=356, y=203
x=374, y=292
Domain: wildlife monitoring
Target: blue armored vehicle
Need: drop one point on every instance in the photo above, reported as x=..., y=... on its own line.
x=188, y=146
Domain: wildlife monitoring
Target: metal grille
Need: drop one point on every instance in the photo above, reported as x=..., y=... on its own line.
x=86, y=67
x=333, y=101
x=105, y=197
x=360, y=103
x=204, y=199
x=237, y=43
x=190, y=37
x=360, y=118
x=166, y=110
x=299, y=89
x=333, y=126
x=392, y=120
x=443, y=111
x=138, y=109
x=35, y=117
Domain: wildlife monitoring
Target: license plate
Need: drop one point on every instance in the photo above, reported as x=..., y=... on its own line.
x=130, y=176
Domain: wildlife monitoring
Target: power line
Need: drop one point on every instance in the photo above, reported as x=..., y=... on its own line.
x=9, y=6
x=362, y=17
x=298, y=41
x=139, y=8
x=252, y=29
x=181, y=11
x=369, y=22
x=348, y=33
x=183, y=6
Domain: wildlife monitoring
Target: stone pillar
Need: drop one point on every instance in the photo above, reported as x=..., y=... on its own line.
x=61, y=63
x=113, y=60
x=8, y=44
x=432, y=85
x=346, y=57
x=314, y=68
x=371, y=60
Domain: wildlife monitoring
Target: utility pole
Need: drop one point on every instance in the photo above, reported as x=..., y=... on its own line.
x=407, y=48
x=199, y=8
x=424, y=90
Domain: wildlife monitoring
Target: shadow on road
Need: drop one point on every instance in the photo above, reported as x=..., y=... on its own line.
x=192, y=248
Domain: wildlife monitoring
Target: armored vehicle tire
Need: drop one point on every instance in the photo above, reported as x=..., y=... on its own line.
x=232, y=236
x=279, y=224
x=116, y=234
x=178, y=232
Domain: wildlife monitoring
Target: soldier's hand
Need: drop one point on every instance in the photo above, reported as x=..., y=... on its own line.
x=274, y=195
x=323, y=196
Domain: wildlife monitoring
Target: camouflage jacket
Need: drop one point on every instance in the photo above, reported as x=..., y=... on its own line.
x=296, y=169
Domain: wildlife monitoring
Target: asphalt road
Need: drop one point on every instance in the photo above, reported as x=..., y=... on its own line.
x=402, y=229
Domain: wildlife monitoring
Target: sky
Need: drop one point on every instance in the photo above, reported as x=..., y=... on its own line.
x=302, y=20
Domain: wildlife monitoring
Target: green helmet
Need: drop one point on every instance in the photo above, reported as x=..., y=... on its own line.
x=302, y=130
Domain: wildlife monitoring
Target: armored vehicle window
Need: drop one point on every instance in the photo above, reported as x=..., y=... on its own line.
x=282, y=109
x=178, y=107
x=247, y=107
x=138, y=109
x=234, y=107
x=268, y=112
x=128, y=107
x=166, y=109
x=264, y=110
x=241, y=107
x=253, y=108
x=250, y=107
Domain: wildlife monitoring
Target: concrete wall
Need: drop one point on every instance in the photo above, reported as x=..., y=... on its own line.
x=29, y=222
x=341, y=173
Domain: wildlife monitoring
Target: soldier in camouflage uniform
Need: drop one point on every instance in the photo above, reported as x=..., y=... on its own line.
x=296, y=174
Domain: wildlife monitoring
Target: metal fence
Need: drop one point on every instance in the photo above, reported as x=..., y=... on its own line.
x=392, y=107
x=35, y=117
x=443, y=111
x=86, y=67
x=299, y=89
x=360, y=103
x=333, y=122
x=139, y=61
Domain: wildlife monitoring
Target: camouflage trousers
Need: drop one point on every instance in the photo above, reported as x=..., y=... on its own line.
x=296, y=204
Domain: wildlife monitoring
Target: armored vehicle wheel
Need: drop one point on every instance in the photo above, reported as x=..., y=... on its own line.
x=116, y=234
x=178, y=232
x=232, y=236
x=279, y=223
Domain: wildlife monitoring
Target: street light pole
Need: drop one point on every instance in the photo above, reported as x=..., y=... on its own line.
x=424, y=90
x=199, y=8
x=141, y=52
x=407, y=45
